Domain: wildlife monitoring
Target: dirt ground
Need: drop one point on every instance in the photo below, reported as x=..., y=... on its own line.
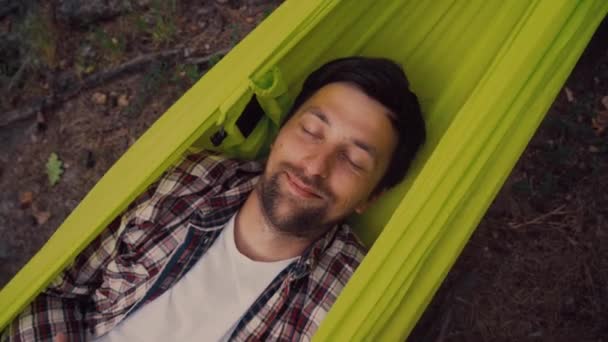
x=536, y=268
x=93, y=129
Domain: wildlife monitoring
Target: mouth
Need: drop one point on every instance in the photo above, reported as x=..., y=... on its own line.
x=300, y=188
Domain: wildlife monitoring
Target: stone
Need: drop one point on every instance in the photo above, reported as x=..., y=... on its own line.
x=99, y=98
x=123, y=101
x=25, y=199
x=86, y=51
x=41, y=217
x=86, y=12
x=206, y=10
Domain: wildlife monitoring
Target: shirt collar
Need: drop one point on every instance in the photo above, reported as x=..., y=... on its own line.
x=311, y=256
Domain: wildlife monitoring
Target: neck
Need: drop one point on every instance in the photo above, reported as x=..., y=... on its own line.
x=257, y=239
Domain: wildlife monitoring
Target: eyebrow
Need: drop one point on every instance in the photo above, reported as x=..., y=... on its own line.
x=316, y=111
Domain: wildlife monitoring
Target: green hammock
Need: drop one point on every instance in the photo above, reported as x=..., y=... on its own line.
x=486, y=71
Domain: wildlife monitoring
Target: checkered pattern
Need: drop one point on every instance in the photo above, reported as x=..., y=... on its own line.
x=160, y=237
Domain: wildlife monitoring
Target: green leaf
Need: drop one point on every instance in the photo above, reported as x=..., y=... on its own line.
x=213, y=60
x=54, y=168
x=192, y=73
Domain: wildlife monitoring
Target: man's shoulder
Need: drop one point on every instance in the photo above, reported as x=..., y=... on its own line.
x=211, y=167
x=345, y=250
x=350, y=246
x=203, y=161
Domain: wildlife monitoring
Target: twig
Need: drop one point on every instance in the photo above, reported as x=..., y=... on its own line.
x=23, y=113
x=132, y=65
x=444, y=326
x=94, y=80
x=17, y=77
x=591, y=284
x=206, y=59
x=538, y=219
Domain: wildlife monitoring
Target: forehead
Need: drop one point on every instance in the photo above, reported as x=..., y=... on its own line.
x=351, y=114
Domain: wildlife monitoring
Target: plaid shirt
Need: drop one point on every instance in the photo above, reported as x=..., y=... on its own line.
x=160, y=237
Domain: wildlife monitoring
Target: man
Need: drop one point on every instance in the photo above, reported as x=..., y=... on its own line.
x=222, y=249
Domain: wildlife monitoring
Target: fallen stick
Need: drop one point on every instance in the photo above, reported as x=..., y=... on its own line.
x=135, y=64
x=538, y=219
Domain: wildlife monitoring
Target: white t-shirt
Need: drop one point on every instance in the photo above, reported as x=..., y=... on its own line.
x=207, y=303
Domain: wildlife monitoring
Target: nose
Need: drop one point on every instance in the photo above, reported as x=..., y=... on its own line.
x=318, y=164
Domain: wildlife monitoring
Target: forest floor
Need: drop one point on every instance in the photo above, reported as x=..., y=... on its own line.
x=535, y=269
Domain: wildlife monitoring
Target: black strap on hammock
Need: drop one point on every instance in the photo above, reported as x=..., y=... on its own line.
x=252, y=114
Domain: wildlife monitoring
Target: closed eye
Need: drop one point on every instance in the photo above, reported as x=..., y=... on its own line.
x=309, y=132
x=352, y=163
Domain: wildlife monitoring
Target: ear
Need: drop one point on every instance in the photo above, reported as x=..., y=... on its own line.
x=361, y=208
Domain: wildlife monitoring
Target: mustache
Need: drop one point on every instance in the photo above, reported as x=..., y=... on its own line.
x=316, y=183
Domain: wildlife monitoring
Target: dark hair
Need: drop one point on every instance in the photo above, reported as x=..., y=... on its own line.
x=384, y=81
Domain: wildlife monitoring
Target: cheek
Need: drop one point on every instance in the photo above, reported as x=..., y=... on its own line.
x=285, y=142
x=348, y=190
x=279, y=150
x=287, y=149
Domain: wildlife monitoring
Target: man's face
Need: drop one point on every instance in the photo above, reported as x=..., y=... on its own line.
x=326, y=161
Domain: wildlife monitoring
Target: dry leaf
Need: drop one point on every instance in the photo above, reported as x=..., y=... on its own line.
x=42, y=217
x=99, y=98
x=600, y=122
x=25, y=199
x=569, y=94
x=605, y=101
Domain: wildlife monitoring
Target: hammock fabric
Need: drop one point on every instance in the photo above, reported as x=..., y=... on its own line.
x=486, y=73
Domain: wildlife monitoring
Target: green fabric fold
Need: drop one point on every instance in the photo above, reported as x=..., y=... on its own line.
x=485, y=72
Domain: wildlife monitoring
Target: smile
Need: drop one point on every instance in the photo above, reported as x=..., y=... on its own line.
x=300, y=189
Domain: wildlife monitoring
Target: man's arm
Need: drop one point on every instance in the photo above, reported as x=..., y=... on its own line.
x=60, y=308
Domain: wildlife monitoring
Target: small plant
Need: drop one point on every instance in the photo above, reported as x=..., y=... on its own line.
x=235, y=34
x=83, y=66
x=54, y=168
x=214, y=60
x=163, y=31
x=113, y=47
x=160, y=21
x=192, y=72
x=267, y=12
x=39, y=39
x=157, y=75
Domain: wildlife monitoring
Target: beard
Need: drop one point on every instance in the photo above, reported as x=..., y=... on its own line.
x=303, y=219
